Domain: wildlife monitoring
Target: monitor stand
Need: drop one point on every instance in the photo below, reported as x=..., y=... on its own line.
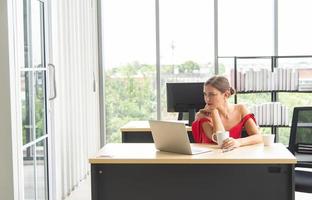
x=191, y=116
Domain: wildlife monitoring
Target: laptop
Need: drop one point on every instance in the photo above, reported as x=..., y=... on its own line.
x=172, y=137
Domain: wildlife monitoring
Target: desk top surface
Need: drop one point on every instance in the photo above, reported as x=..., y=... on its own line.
x=145, y=153
x=135, y=126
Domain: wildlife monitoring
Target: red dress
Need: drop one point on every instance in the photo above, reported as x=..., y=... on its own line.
x=235, y=132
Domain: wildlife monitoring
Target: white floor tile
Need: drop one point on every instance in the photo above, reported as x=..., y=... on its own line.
x=83, y=192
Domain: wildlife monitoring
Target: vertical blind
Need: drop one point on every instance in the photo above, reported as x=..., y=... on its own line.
x=76, y=134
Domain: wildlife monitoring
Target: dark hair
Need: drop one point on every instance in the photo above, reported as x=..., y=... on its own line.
x=221, y=83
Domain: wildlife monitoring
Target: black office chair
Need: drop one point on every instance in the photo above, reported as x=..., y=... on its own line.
x=300, y=144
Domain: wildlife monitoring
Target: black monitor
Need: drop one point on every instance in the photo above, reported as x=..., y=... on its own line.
x=185, y=97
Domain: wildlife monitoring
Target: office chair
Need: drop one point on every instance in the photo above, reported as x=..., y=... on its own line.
x=300, y=144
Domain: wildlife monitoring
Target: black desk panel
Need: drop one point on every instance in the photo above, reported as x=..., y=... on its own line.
x=192, y=181
x=143, y=137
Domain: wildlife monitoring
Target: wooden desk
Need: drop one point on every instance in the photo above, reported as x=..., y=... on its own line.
x=139, y=171
x=140, y=132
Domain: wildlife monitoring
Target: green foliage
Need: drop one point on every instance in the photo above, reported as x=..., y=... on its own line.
x=129, y=95
x=188, y=67
x=28, y=104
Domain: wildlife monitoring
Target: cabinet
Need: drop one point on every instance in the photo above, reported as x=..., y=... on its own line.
x=271, y=77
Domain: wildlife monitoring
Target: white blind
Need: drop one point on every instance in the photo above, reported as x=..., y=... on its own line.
x=76, y=108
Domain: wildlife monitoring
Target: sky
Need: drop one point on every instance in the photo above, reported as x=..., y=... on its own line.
x=186, y=30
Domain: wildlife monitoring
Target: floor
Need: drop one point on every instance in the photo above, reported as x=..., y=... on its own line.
x=84, y=192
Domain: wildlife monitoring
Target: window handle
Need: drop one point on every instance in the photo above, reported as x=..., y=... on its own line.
x=53, y=81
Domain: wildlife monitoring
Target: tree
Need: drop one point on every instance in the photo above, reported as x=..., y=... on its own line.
x=188, y=67
x=130, y=95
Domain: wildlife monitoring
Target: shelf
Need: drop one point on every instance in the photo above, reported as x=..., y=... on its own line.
x=269, y=91
x=277, y=126
x=299, y=125
x=278, y=77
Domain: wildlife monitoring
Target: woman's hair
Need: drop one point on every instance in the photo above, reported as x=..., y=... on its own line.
x=221, y=83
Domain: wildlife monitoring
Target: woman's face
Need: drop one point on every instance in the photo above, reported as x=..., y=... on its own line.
x=213, y=97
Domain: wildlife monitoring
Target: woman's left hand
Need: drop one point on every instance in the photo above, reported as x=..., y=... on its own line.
x=230, y=143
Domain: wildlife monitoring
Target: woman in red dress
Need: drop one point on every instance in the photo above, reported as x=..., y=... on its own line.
x=220, y=115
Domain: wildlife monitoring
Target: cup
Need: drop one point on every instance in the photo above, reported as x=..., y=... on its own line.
x=268, y=140
x=219, y=137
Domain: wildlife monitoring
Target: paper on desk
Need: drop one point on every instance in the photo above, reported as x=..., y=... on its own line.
x=105, y=155
x=227, y=150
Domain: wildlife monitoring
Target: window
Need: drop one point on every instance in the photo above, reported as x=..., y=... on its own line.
x=245, y=28
x=294, y=31
x=129, y=62
x=186, y=44
x=34, y=101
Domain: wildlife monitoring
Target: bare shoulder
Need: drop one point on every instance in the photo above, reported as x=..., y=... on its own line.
x=242, y=109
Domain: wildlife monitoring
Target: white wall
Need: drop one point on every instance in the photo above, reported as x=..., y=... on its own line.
x=6, y=119
x=74, y=53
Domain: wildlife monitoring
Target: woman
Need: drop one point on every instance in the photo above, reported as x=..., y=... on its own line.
x=220, y=115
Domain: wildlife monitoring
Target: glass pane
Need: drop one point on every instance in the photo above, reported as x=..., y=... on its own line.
x=283, y=135
x=292, y=100
x=33, y=105
x=245, y=27
x=27, y=98
x=294, y=29
x=40, y=106
x=129, y=60
x=265, y=130
x=29, y=173
x=225, y=66
x=33, y=34
x=299, y=71
x=186, y=44
x=253, y=99
x=42, y=170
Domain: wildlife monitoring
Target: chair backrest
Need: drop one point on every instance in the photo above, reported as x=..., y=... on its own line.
x=300, y=141
x=244, y=133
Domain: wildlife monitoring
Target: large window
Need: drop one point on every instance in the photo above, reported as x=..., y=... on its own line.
x=294, y=38
x=129, y=61
x=245, y=27
x=186, y=54
x=186, y=44
x=294, y=32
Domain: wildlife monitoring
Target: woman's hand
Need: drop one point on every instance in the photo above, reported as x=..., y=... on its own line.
x=230, y=143
x=205, y=112
x=207, y=109
x=201, y=114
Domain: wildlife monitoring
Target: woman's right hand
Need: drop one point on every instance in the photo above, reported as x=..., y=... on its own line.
x=205, y=112
x=208, y=109
x=200, y=114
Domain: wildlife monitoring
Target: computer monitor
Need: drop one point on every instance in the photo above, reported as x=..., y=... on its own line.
x=185, y=97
